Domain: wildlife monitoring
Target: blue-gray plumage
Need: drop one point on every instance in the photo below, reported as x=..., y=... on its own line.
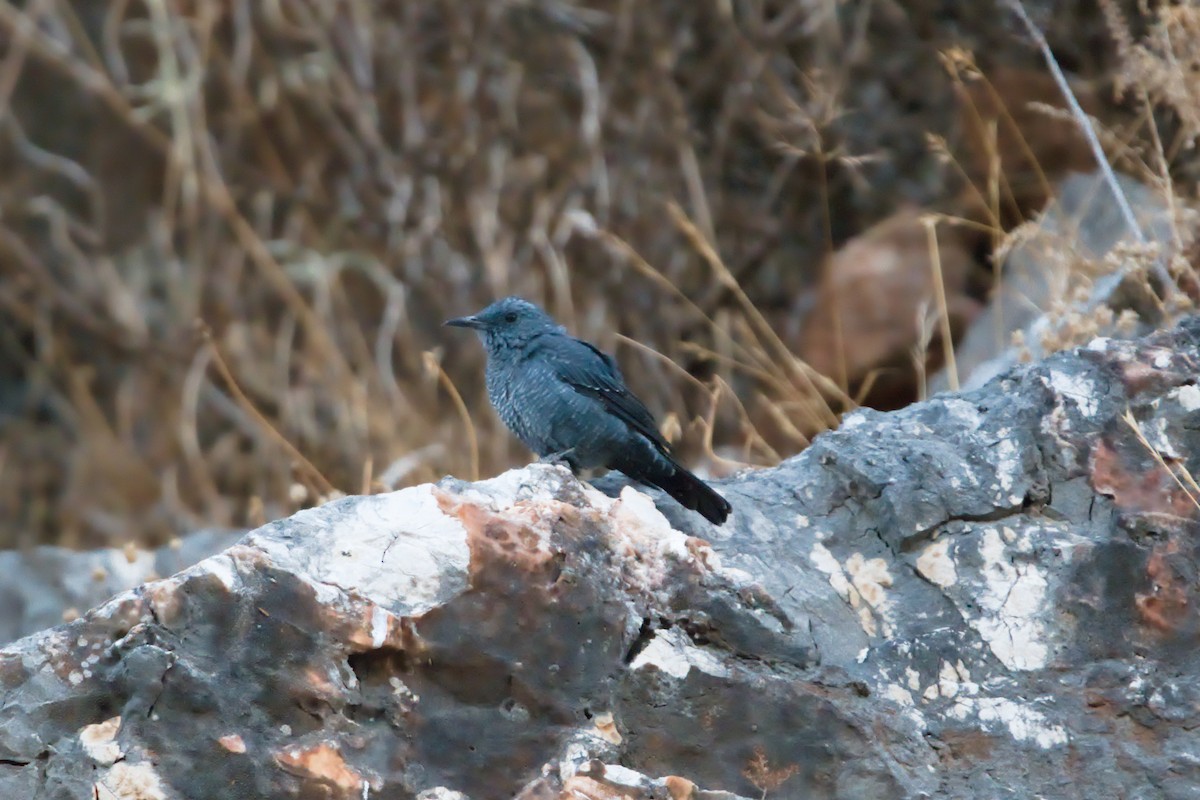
x=566, y=400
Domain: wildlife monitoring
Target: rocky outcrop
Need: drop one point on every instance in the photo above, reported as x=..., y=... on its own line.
x=990, y=594
x=45, y=585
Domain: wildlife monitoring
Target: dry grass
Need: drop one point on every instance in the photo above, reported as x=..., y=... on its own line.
x=320, y=184
x=1159, y=278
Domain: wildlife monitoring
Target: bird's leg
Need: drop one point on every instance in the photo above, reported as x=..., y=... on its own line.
x=562, y=457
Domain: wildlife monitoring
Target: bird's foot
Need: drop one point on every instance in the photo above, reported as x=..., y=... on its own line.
x=561, y=458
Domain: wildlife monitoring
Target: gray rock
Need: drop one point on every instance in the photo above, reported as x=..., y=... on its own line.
x=43, y=584
x=1083, y=220
x=989, y=594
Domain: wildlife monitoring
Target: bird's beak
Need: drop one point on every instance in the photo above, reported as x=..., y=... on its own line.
x=465, y=322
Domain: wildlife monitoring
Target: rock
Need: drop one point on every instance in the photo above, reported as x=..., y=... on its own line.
x=1041, y=274
x=988, y=594
x=876, y=308
x=1015, y=125
x=43, y=584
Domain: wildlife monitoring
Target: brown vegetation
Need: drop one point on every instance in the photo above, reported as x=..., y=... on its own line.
x=229, y=230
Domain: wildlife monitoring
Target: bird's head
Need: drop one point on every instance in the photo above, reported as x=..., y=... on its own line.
x=510, y=322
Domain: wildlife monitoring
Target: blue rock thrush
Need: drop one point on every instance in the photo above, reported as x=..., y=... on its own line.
x=567, y=401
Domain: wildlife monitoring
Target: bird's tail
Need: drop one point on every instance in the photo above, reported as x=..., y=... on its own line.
x=688, y=490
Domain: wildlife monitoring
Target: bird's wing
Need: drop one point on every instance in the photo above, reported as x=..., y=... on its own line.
x=595, y=374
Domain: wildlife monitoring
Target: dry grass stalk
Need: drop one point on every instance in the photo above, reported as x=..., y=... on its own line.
x=939, y=288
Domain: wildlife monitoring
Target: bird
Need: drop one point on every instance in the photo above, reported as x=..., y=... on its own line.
x=567, y=401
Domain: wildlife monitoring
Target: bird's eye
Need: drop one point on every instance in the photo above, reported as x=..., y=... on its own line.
x=510, y=316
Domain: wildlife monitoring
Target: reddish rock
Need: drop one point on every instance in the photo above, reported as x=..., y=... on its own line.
x=876, y=300
x=322, y=765
x=1015, y=124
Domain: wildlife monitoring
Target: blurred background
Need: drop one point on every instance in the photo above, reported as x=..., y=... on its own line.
x=230, y=229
